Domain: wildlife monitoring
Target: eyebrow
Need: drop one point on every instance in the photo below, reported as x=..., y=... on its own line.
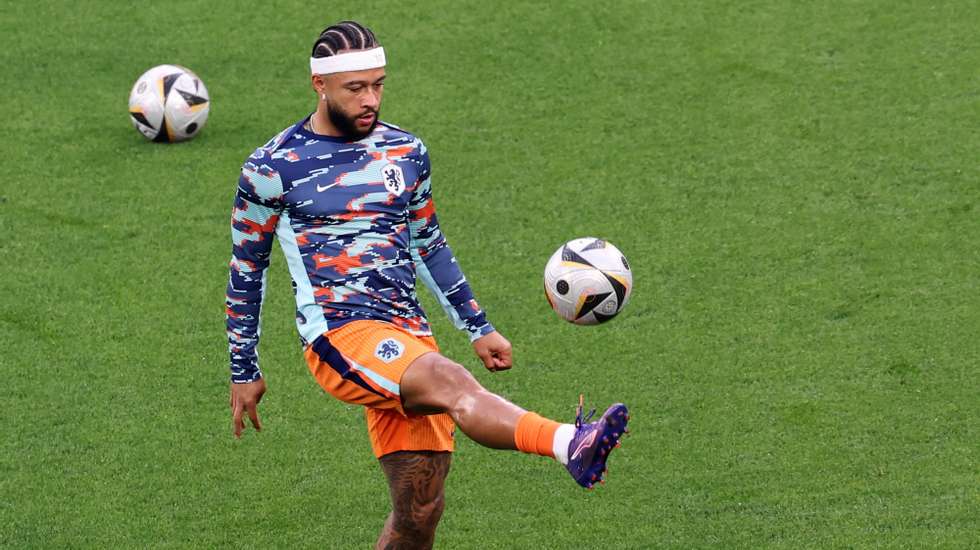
x=362, y=82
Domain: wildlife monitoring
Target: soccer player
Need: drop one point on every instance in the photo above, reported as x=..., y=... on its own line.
x=350, y=199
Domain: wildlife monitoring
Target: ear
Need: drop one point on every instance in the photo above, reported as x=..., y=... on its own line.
x=319, y=84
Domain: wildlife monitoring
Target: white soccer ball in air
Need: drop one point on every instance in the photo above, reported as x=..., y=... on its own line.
x=169, y=103
x=587, y=281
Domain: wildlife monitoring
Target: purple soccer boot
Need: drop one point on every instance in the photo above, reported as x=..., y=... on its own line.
x=593, y=441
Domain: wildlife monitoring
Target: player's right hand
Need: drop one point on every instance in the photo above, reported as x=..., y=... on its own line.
x=245, y=399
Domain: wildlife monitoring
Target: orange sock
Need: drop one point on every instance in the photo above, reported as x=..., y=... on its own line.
x=535, y=434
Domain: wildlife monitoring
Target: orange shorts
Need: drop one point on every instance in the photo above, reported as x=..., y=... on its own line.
x=362, y=363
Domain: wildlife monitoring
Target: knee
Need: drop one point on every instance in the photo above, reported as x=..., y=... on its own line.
x=420, y=517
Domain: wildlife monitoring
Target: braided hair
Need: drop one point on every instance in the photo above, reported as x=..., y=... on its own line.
x=346, y=35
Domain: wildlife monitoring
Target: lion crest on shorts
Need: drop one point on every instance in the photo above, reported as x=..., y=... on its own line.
x=389, y=349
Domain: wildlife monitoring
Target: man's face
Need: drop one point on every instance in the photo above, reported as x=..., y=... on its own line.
x=353, y=100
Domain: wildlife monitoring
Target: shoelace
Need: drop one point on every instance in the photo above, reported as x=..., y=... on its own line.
x=578, y=413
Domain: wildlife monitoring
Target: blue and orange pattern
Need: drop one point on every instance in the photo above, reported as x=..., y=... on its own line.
x=357, y=226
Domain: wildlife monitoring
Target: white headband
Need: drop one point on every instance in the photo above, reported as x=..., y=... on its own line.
x=351, y=61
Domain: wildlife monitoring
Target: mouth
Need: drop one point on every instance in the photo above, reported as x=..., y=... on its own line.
x=366, y=119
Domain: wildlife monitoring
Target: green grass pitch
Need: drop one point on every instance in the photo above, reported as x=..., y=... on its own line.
x=796, y=185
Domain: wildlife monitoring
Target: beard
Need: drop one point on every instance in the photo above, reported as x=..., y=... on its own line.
x=348, y=124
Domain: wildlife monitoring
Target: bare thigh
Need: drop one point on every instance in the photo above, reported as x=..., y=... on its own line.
x=433, y=383
x=416, y=481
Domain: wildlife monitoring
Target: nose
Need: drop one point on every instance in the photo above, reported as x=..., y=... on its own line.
x=371, y=99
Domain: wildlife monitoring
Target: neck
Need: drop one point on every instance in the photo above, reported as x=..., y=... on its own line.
x=320, y=123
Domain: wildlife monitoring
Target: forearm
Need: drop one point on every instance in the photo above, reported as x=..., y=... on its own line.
x=243, y=304
x=440, y=272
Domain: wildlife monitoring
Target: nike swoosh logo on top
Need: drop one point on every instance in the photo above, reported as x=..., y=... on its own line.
x=589, y=439
x=322, y=188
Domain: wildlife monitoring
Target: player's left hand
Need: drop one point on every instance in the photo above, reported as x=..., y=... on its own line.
x=494, y=350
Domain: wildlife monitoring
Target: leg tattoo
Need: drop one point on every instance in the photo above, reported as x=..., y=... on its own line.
x=416, y=481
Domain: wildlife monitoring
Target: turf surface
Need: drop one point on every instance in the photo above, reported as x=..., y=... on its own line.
x=796, y=186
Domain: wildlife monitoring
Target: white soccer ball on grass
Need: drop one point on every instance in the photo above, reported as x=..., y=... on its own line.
x=169, y=103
